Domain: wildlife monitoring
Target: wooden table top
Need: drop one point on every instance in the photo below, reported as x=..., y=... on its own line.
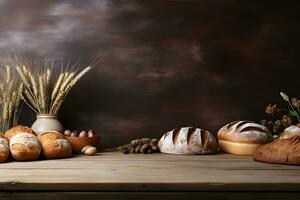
x=154, y=172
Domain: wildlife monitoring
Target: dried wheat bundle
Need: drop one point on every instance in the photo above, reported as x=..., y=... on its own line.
x=10, y=98
x=46, y=86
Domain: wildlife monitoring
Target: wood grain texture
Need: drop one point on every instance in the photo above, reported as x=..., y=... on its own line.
x=156, y=172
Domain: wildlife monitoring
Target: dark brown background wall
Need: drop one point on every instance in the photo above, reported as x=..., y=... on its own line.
x=164, y=63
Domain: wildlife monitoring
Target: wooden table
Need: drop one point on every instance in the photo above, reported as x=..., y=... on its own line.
x=117, y=176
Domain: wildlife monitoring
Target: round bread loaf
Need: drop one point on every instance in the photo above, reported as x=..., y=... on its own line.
x=4, y=148
x=188, y=140
x=17, y=129
x=55, y=145
x=290, y=132
x=25, y=146
x=243, y=137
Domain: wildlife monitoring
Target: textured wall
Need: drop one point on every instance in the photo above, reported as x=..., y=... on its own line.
x=164, y=63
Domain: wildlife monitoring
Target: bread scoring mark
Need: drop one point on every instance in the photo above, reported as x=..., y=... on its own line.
x=251, y=128
x=204, y=137
x=242, y=123
x=190, y=133
x=231, y=124
x=175, y=135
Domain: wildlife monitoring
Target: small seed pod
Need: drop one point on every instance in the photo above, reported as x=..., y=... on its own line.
x=145, y=148
x=124, y=150
x=74, y=133
x=138, y=149
x=131, y=149
x=149, y=150
x=145, y=140
x=136, y=142
x=89, y=150
x=154, y=142
x=154, y=148
x=82, y=134
x=67, y=132
x=91, y=133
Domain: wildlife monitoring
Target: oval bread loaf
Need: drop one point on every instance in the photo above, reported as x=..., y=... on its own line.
x=25, y=146
x=55, y=145
x=188, y=140
x=4, y=149
x=243, y=137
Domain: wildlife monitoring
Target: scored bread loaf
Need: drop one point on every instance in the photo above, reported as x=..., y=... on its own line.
x=290, y=131
x=243, y=137
x=55, y=145
x=24, y=146
x=188, y=140
x=4, y=148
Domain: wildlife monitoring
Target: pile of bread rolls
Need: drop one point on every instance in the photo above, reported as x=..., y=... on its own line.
x=24, y=145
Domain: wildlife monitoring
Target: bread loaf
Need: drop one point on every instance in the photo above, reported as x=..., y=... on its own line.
x=282, y=151
x=55, y=145
x=243, y=137
x=4, y=148
x=17, y=129
x=25, y=146
x=289, y=132
x=188, y=140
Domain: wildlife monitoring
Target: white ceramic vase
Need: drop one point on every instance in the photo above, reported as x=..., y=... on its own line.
x=46, y=122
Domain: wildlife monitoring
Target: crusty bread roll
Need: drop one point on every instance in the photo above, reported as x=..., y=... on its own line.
x=17, y=129
x=283, y=151
x=25, y=146
x=55, y=145
x=188, y=140
x=243, y=137
x=4, y=148
x=290, y=131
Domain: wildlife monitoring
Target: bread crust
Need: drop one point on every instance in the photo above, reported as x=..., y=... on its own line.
x=4, y=148
x=238, y=148
x=25, y=146
x=55, y=145
x=17, y=129
x=281, y=151
x=245, y=132
x=188, y=140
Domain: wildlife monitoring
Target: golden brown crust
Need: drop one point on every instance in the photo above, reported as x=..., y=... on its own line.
x=282, y=151
x=55, y=145
x=22, y=152
x=4, y=149
x=244, y=149
x=25, y=146
x=17, y=129
x=245, y=132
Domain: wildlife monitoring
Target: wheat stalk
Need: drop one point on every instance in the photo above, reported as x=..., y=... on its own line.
x=10, y=98
x=46, y=90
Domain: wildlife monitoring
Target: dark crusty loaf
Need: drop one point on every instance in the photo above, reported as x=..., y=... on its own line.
x=282, y=151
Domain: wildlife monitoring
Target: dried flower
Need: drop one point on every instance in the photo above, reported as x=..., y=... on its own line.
x=286, y=120
x=296, y=102
x=271, y=109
